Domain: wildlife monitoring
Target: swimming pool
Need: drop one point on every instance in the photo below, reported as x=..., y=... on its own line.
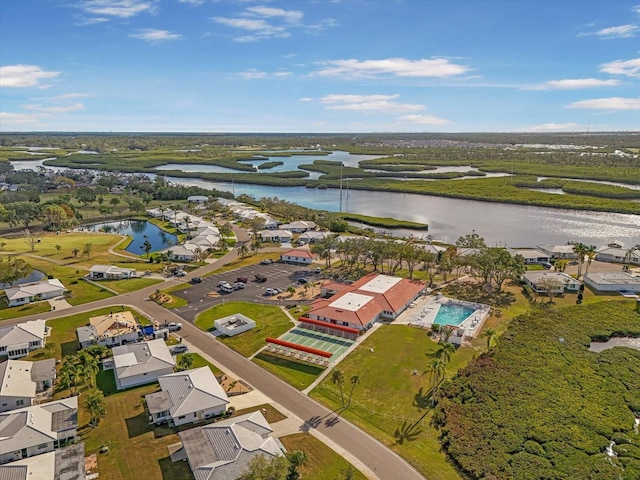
x=452, y=314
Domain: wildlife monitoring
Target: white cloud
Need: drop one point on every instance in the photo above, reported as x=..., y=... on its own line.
x=611, y=103
x=153, y=35
x=305, y=99
x=291, y=16
x=9, y=118
x=118, y=8
x=553, y=127
x=282, y=74
x=260, y=29
x=66, y=96
x=621, y=31
x=53, y=110
x=192, y=2
x=368, y=103
x=397, y=67
x=23, y=75
x=420, y=119
x=253, y=74
x=573, y=84
x=636, y=8
x=630, y=68
x=92, y=21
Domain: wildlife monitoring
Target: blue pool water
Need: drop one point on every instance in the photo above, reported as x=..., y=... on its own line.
x=452, y=314
x=140, y=231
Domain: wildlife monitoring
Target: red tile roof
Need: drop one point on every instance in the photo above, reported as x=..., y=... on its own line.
x=299, y=252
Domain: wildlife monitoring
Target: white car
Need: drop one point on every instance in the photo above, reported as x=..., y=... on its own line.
x=269, y=292
x=179, y=349
x=181, y=273
x=174, y=326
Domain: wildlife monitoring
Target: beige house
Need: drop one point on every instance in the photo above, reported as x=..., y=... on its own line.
x=109, y=330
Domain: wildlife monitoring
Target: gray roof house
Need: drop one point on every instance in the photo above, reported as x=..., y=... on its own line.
x=22, y=380
x=560, y=282
x=18, y=340
x=32, y=292
x=111, y=272
x=222, y=450
x=62, y=464
x=559, y=251
x=141, y=363
x=189, y=396
x=612, y=282
x=36, y=430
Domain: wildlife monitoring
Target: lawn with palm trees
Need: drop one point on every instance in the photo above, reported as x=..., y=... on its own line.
x=384, y=386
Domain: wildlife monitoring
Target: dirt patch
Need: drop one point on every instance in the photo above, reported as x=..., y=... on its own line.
x=232, y=386
x=91, y=462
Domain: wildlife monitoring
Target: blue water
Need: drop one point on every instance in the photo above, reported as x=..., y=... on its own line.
x=140, y=230
x=452, y=314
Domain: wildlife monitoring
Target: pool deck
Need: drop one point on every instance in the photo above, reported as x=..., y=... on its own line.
x=423, y=313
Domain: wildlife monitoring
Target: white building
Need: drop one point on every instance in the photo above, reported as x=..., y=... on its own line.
x=531, y=256
x=140, y=363
x=186, y=397
x=559, y=281
x=111, y=272
x=39, y=429
x=559, y=252
x=299, y=226
x=62, y=464
x=313, y=236
x=298, y=255
x=616, y=253
x=234, y=324
x=17, y=341
x=612, y=282
x=33, y=292
x=22, y=380
x=282, y=236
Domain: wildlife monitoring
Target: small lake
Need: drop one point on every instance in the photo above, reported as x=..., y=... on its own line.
x=615, y=342
x=139, y=230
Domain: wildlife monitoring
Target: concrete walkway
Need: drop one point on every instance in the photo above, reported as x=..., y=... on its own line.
x=59, y=303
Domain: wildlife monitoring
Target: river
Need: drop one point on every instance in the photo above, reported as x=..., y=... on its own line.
x=448, y=218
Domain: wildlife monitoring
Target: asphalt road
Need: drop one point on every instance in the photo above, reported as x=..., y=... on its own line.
x=386, y=464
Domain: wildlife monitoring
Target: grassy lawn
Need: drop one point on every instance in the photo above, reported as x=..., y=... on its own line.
x=390, y=395
x=270, y=320
x=130, y=285
x=300, y=375
x=323, y=463
x=7, y=312
x=200, y=361
x=175, y=302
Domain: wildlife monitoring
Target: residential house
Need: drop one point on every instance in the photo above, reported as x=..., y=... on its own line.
x=531, y=256
x=298, y=255
x=198, y=199
x=65, y=463
x=22, y=380
x=140, y=363
x=616, y=253
x=612, y=282
x=109, y=330
x=186, y=252
x=560, y=282
x=186, y=397
x=37, y=429
x=299, y=226
x=223, y=450
x=282, y=236
x=234, y=324
x=313, y=236
x=17, y=341
x=33, y=292
x=365, y=301
x=560, y=252
x=111, y=272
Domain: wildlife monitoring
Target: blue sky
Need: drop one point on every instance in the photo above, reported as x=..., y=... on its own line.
x=319, y=66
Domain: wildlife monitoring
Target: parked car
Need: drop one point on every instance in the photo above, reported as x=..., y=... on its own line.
x=174, y=326
x=238, y=285
x=180, y=273
x=242, y=279
x=196, y=280
x=261, y=278
x=546, y=265
x=269, y=292
x=179, y=349
x=266, y=261
x=318, y=270
x=302, y=280
x=227, y=288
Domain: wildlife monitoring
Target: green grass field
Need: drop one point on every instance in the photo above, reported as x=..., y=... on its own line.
x=298, y=374
x=270, y=320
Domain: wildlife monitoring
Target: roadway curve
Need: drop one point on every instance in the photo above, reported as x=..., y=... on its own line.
x=385, y=463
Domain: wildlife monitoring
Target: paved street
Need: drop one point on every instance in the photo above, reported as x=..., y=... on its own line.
x=381, y=460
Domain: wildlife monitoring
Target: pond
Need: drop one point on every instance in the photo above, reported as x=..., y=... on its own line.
x=139, y=230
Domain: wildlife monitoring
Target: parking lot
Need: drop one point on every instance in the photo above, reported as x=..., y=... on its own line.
x=206, y=294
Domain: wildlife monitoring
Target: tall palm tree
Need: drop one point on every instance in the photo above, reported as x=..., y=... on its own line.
x=186, y=361
x=437, y=371
x=445, y=351
x=590, y=252
x=490, y=333
x=355, y=379
x=96, y=406
x=579, y=249
x=243, y=250
x=337, y=378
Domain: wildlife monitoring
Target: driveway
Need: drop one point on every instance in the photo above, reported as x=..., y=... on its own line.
x=204, y=295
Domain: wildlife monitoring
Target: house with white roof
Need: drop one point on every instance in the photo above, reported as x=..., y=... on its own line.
x=560, y=282
x=38, y=429
x=205, y=241
x=22, y=380
x=186, y=397
x=564, y=252
x=313, y=236
x=140, y=363
x=612, y=282
x=223, y=450
x=18, y=340
x=61, y=464
x=198, y=199
x=109, y=330
x=283, y=236
x=299, y=226
x=234, y=324
x=111, y=272
x=33, y=292
x=186, y=252
x=616, y=253
x=298, y=255
x=531, y=256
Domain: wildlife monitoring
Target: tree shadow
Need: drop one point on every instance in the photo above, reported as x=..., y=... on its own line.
x=138, y=425
x=172, y=470
x=406, y=432
x=69, y=348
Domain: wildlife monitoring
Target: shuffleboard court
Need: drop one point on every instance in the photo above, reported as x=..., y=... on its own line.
x=318, y=340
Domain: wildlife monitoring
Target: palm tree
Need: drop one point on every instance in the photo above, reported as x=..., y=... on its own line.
x=296, y=459
x=590, y=252
x=75, y=252
x=490, y=333
x=580, y=249
x=243, y=250
x=186, y=361
x=437, y=370
x=629, y=255
x=445, y=351
x=96, y=406
x=337, y=378
x=446, y=331
x=355, y=379
x=146, y=246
